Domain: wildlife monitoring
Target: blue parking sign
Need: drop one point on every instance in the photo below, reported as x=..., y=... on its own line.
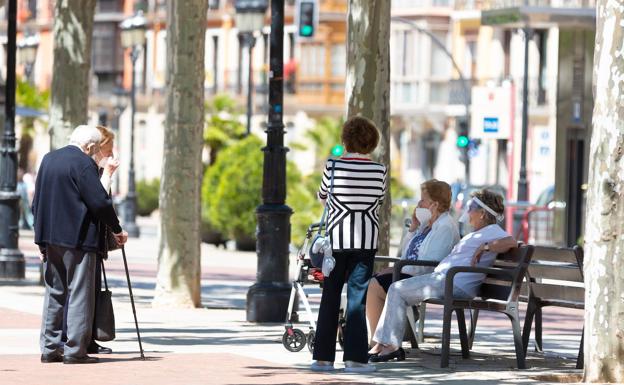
x=490, y=125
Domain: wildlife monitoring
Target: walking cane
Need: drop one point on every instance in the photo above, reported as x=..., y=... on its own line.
x=136, y=323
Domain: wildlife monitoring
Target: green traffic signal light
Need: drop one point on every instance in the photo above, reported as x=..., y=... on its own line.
x=306, y=30
x=337, y=150
x=462, y=141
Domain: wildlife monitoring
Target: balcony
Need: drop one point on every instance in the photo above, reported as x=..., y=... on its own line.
x=415, y=4
x=109, y=6
x=460, y=91
x=485, y=5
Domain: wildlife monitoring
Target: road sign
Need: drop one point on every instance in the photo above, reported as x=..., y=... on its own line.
x=491, y=112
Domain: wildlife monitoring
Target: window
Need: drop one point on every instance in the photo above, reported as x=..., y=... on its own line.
x=107, y=55
x=439, y=93
x=403, y=51
x=507, y=50
x=470, y=57
x=404, y=92
x=338, y=60
x=440, y=63
x=312, y=60
x=108, y=6
x=542, y=39
x=32, y=9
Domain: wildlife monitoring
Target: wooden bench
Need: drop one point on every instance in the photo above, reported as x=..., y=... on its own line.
x=499, y=292
x=553, y=278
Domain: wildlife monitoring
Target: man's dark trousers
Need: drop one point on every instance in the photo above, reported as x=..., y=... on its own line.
x=69, y=276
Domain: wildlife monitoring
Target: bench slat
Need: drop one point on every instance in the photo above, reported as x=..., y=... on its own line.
x=554, y=292
x=554, y=254
x=559, y=271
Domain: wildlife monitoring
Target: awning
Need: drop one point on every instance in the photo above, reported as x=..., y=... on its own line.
x=540, y=17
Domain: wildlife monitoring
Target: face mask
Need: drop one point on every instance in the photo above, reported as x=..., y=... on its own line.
x=102, y=162
x=423, y=215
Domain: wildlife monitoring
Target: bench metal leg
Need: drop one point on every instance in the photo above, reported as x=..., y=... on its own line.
x=528, y=323
x=421, y=322
x=473, y=327
x=515, y=325
x=446, y=337
x=411, y=326
x=538, y=330
x=463, y=336
x=580, y=360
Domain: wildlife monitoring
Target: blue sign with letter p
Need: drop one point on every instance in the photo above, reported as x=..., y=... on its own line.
x=490, y=125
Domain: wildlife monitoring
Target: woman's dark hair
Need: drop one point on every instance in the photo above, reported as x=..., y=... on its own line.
x=493, y=201
x=360, y=135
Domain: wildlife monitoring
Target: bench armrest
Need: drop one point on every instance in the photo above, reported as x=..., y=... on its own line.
x=398, y=266
x=450, y=276
x=385, y=258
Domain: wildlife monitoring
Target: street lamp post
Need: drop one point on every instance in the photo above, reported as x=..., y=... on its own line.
x=133, y=38
x=12, y=263
x=119, y=95
x=249, y=19
x=523, y=188
x=267, y=299
x=26, y=55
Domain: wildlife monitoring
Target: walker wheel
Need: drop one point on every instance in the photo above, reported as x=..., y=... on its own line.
x=311, y=337
x=342, y=323
x=294, y=340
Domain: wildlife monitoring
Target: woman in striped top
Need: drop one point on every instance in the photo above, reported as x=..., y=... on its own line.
x=359, y=186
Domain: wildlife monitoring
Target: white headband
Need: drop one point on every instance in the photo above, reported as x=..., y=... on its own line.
x=499, y=217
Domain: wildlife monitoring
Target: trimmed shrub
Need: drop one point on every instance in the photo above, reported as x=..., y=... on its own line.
x=147, y=196
x=232, y=189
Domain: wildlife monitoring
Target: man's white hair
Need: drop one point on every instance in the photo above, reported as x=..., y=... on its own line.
x=84, y=135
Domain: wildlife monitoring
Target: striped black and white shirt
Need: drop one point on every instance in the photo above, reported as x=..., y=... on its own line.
x=359, y=188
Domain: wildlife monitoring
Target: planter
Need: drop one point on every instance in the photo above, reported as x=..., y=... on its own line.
x=245, y=243
x=212, y=237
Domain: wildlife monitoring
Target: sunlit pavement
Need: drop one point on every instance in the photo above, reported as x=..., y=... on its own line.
x=215, y=345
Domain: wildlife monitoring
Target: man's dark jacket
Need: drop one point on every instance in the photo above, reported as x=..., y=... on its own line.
x=70, y=201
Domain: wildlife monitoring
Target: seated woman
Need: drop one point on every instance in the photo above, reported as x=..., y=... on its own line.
x=431, y=236
x=478, y=248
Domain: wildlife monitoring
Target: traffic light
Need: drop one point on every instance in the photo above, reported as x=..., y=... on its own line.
x=307, y=16
x=337, y=150
x=462, y=134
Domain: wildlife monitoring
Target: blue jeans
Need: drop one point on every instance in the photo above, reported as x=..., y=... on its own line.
x=355, y=267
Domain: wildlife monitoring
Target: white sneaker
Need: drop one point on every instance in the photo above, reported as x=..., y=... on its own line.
x=322, y=366
x=359, y=367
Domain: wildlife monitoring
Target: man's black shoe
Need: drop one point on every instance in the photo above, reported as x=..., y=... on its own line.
x=80, y=360
x=95, y=348
x=50, y=358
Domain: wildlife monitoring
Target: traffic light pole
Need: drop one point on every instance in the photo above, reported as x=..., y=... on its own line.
x=267, y=299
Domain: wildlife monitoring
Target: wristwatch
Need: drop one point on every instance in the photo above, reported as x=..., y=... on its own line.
x=486, y=246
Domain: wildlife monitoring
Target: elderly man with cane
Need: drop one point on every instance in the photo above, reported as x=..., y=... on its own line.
x=68, y=207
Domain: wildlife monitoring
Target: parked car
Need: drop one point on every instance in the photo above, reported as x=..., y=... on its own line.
x=547, y=196
x=465, y=191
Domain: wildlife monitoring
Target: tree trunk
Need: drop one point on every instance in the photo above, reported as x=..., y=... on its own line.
x=73, y=29
x=604, y=244
x=368, y=83
x=178, y=280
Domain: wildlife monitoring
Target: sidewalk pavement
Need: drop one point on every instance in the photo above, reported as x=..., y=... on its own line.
x=215, y=345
